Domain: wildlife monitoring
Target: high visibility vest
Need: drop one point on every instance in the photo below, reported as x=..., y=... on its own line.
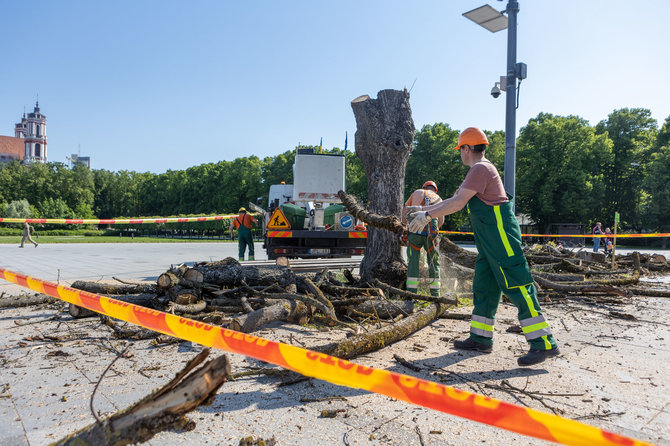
x=245, y=220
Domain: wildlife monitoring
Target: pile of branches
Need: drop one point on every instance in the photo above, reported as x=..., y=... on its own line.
x=561, y=273
x=247, y=297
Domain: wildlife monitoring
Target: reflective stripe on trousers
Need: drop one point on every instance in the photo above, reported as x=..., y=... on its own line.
x=535, y=327
x=481, y=326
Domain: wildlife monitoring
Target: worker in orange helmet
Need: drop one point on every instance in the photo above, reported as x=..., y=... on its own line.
x=425, y=237
x=501, y=266
x=243, y=223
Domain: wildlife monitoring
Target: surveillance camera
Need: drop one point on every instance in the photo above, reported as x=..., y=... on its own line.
x=495, y=91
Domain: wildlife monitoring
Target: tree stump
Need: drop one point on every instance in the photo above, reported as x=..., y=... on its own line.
x=384, y=137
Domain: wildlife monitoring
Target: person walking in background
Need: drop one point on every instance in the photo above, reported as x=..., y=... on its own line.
x=426, y=238
x=501, y=265
x=243, y=223
x=597, y=230
x=27, y=231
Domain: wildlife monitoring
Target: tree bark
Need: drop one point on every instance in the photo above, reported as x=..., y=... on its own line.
x=107, y=289
x=384, y=137
x=284, y=310
x=229, y=272
x=162, y=410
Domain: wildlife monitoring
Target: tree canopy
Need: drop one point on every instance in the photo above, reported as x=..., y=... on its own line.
x=567, y=172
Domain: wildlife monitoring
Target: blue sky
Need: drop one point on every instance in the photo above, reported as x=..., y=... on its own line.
x=157, y=85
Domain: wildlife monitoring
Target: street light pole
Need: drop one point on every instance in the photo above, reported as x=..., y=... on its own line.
x=510, y=113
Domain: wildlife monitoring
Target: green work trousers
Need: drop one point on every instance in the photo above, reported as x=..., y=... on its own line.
x=501, y=267
x=245, y=239
x=430, y=244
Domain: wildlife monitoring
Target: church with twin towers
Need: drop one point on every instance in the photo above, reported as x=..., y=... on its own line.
x=33, y=130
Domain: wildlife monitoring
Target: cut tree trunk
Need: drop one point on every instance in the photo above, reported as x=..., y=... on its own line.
x=160, y=411
x=283, y=310
x=384, y=137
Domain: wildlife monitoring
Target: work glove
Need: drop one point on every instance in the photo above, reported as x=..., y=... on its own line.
x=411, y=209
x=418, y=220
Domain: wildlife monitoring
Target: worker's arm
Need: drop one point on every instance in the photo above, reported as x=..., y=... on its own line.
x=449, y=206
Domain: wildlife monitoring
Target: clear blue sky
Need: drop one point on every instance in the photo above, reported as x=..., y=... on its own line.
x=156, y=85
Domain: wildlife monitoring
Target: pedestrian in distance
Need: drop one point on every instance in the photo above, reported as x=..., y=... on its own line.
x=27, y=231
x=597, y=230
x=426, y=237
x=243, y=223
x=500, y=265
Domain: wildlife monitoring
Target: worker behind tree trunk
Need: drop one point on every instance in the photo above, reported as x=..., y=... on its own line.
x=426, y=238
x=501, y=265
x=243, y=224
x=27, y=231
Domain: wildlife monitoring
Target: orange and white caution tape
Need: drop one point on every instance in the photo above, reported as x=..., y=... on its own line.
x=417, y=391
x=116, y=221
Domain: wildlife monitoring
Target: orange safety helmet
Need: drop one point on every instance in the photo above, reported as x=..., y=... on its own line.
x=471, y=136
x=431, y=184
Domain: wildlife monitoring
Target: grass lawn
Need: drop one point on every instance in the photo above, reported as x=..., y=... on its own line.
x=106, y=239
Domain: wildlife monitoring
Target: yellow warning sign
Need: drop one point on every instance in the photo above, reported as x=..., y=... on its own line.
x=278, y=220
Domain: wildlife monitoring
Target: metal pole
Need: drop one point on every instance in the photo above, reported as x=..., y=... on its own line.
x=510, y=113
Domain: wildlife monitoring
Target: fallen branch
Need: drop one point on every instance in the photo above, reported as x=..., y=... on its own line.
x=160, y=411
x=378, y=339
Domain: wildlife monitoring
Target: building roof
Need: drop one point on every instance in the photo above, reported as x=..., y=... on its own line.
x=13, y=147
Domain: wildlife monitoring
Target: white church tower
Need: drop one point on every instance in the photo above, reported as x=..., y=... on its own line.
x=33, y=129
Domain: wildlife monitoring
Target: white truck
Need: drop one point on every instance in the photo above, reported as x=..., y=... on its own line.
x=306, y=219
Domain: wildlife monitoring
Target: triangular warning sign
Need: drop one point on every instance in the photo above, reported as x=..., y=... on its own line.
x=278, y=220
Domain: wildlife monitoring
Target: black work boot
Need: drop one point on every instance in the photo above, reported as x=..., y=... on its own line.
x=469, y=344
x=537, y=356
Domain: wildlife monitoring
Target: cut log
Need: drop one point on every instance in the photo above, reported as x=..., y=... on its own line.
x=107, y=289
x=230, y=273
x=25, y=300
x=193, y=275
x=378, y=339
x=284, y=310
x=384, y=140
x=160, y=411
x=189, y=308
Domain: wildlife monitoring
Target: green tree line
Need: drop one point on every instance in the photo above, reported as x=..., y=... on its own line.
x=567, y=172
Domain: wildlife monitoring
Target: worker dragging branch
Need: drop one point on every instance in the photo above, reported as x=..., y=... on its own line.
x=501, y=266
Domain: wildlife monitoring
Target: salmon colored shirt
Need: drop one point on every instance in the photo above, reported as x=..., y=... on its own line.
x=243, y=219
x=484, y=179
